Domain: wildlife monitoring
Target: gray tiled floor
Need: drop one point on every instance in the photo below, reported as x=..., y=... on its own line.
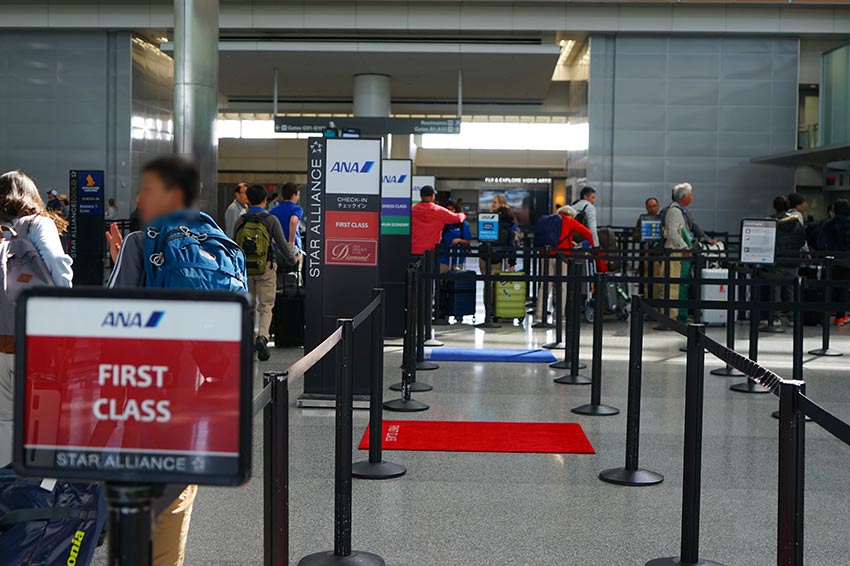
x=522, y=509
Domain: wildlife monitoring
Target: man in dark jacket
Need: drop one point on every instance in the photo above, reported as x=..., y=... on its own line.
x=835, y=237
x=790, y=241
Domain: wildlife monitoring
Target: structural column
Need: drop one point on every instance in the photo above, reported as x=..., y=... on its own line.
x=372, y=95
x=196, y=91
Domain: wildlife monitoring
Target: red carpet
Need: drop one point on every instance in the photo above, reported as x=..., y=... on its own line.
x=464, y=436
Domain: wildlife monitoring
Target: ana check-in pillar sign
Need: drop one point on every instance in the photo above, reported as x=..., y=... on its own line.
x=396, y=186
x=343, y=208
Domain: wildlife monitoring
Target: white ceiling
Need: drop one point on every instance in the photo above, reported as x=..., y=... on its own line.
x=322, y=70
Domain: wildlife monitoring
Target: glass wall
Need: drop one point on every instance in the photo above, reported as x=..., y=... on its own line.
x=835, y=96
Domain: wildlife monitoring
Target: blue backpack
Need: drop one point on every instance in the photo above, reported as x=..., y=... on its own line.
x=547, y=231
x=187, y=250
x=49, y=528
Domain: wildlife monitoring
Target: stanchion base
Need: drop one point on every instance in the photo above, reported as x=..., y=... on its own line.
x=488, y=325
x=622, y=476
x=356, y=558
x=772, y=330
x=592, y=410
x=416, y=387
x=426, y=366
x=683, y=349
x=433, y=343
x=402, y=406
x=676, y=561
x=565, y=364
x=747, y=387
x=726, y=372
x=366, y=470
x=573, y=380
x=440, y=322
x=542, y=325
x=553, y=346
x=829, y=352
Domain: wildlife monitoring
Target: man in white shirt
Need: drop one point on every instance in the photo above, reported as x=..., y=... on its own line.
x=586, y=211
x=236, y=209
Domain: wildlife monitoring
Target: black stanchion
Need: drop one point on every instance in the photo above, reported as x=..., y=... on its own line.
x=573, y=378
x=342, y=553
x=632, y=474
x=698, y=267
x=430, y=299
x=558, y=292
x=731, y=290
x=544, y=292
x=750, y=386
x=797, y=363
x=423, y=311
x=531, y=264
x=408, y=383
x=570, y=336
x=825, y=350
x=130, y=524
x=792, y=456
x=276, y=470
x=692, y=468
x=375, y=468
x=595, y=408
x=488, y=288
x=440, y=318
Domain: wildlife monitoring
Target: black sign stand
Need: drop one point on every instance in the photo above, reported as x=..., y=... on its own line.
x=339, y=289
x=395, y=251
x=130, y=536
x=86, y=226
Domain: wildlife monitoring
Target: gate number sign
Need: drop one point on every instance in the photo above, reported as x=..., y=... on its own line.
x=135, y=386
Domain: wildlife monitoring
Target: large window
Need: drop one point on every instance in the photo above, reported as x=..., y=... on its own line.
x=499, y=135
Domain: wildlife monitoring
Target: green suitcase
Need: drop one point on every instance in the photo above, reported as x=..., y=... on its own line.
x=510, y=296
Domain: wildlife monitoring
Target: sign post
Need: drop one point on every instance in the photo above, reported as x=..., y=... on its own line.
x=343, y=209
x=396, y=186
x=86, y=226
x=134, y=388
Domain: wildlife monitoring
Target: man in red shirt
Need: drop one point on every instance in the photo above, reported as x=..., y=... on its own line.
x=570, y=227
x=427, y=220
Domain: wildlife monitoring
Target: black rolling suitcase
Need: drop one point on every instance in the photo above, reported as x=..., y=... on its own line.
x=288, y=317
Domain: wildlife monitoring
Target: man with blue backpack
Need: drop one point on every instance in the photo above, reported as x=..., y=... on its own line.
x=178, y=248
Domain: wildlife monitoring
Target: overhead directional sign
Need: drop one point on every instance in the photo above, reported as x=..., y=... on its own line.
x=143, y=386
x=374, y=126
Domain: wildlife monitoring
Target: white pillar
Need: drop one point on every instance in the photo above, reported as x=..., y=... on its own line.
x=196, y=91
x=372, y=95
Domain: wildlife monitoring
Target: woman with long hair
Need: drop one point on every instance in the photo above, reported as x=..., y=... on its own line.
x=23, y=215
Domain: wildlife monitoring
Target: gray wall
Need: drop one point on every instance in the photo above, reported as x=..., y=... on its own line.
x=663, y=110
x=64, y=99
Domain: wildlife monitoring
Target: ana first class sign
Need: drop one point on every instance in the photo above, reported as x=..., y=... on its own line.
x=139, y=386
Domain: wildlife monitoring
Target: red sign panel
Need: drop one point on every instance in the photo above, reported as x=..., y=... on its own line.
x=134, y=389
x=352, y=225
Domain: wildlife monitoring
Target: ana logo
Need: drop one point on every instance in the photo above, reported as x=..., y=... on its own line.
x=395, y=178
x=352, y=167
x=132, y=319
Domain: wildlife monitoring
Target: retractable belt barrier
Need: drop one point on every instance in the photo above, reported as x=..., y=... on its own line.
x=794, y=408
x=273, y=400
